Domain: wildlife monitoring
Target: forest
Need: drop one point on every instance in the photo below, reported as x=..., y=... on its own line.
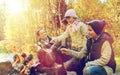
x=20, y=19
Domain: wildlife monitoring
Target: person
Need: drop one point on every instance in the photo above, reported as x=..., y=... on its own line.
x=43, y=42
x=101, y=60
x=43, y=38
x=63, y=44
x=77, y=31
x=64, y=25
x=48, y=64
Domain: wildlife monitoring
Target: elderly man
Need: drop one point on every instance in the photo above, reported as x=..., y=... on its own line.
x=43, y=38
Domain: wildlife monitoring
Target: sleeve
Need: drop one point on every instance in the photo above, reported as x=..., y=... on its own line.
x=77, y=54
x=105, y=55
x=56, y=46
x=84, y=32
x=83, y=29
x=63, y=36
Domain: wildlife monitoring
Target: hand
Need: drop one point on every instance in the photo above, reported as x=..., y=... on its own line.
x=65, y=51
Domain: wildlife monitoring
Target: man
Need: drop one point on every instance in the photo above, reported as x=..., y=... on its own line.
x=64, y=25
x=101, y=60
x=77, y=31
x=42, y=44
x=65, y=43
x=43, y=38
x=46, y=62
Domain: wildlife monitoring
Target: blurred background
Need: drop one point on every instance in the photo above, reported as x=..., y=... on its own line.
x=20, y=19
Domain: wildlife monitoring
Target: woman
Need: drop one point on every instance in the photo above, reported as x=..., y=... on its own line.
x=100, y=52
x=77, y=32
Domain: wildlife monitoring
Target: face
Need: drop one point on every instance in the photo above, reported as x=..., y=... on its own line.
x=91, y=32
x=70, y=19
x=63, y=26
x=42, y=35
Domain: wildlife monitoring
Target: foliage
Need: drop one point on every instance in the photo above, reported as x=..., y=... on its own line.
x=20, y=29
x=88, y=10
x=5, y=46
x=2, y=21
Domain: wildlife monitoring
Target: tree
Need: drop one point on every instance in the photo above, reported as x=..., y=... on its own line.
x=2, y=20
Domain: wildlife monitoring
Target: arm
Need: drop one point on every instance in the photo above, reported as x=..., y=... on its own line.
x=84, y=32
x=74, y=53
x=80, y=54
x=105, y=55
x=63, y=36
x=56, y=46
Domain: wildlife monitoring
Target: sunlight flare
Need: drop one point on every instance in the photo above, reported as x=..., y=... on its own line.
x=14, y=6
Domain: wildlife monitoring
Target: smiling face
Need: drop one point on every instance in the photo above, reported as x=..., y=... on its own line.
x=42, y=35
x=91, y=32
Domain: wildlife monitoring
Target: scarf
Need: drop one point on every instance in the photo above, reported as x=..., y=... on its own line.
x=74, y=26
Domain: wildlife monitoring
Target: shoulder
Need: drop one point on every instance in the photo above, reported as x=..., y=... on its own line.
x=81, y=23
x=82, y=27
x=107, y=36
x=106, y=43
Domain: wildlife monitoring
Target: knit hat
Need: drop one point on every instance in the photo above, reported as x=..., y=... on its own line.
x=71, y=13
x=97, y=26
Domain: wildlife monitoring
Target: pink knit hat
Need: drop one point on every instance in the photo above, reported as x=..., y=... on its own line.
x=71, y=13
